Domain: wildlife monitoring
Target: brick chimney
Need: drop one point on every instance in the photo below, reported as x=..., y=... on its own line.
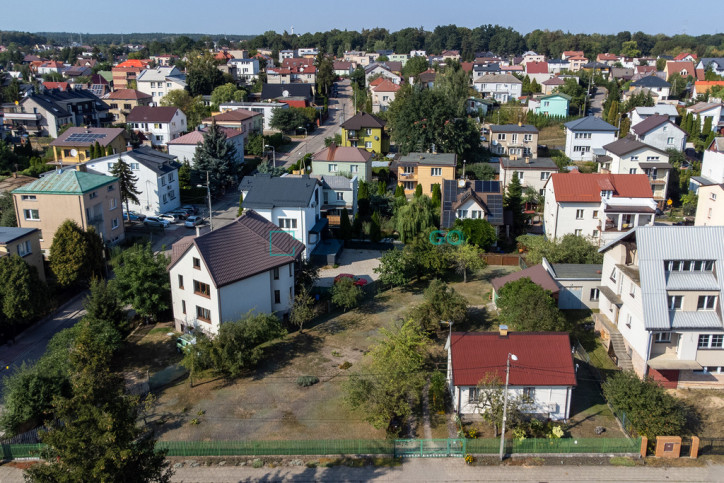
x=503, y=330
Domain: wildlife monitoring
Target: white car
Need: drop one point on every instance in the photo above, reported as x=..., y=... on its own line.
x=168, y=217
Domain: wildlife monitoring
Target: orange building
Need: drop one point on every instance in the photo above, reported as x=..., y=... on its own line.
x=127, y=71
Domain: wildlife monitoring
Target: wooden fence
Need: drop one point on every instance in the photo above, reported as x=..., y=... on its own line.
x=501, y=259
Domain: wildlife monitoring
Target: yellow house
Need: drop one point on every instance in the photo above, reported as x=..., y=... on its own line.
x=425, y=169
x=365, y=131
x=25, y=243
x=123, y=101
x=74, y=145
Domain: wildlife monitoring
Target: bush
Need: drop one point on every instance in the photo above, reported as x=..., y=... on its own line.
x=441, y=303
x=345, y=294
x=306, y=381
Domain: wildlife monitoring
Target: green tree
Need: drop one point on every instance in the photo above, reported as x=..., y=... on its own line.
x=706, y=130
x=477, y=232
x=345, y=228
x=142, y=280
x=302, y=310
x=375, y=227
x=23, y=295
x=217, y=157
x=535, y=87
x=227, y=93
x=630, y=49
x=514, y=202
x=193, y=107
x=650, y=408
x=613, y=114
x=325, y=74
x=95, y=436
x=395, y=268
x=288, y=119
x=126, y=183
x=624, y=127
x=389, y=385
x=525, y=306
x=441, y=303
x=358, y=77
x=491, y=399
x=467, y=257
x=569, y=249
x=240, y=211
x=184, y=175
x=418, y=191
x=399, y=191
x=413, y=218
x=436, y=199
x=345, y=294
x=74, y=255
x=104, y=304
x=414, y=66
x=482, y=171
x=202, y=74
x=7, y=210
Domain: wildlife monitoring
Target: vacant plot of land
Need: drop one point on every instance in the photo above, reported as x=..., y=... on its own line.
x=709, y=406
x=552, y=136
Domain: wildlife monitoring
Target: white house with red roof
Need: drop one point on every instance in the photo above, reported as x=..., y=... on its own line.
x=597, y=206
x=184, y=147
x=543, y=369
x=383, y=94
x=537, y=71
x=159, y=124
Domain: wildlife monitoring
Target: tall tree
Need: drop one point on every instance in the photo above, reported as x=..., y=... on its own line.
x=526, y=306
x=74, y=255
x=23, y=295
x=202, y=74
x=467, y=257
x=126, y=183
x=413, y=218
x=325, y=74
x=7, y=210
x=514, y=202
x=217, y=157
x=142, y=280
x=104, y=304
x=345, y=227
x=193, y=107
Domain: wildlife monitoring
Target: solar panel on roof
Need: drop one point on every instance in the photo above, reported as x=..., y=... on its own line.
x=85, y=137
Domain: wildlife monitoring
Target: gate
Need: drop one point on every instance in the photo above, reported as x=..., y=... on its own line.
x=429, y=448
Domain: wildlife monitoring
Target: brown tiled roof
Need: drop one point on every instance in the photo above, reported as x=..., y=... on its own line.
x=651, y=122
x=586, y=188
x=363, y=120
x=152, y=114
x=386, y=86
x=235, y=115
x=537, y=274
x=128, y=94
x=246, y=247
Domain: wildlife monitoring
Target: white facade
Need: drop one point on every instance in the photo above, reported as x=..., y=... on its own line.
x=160, y=81
x=246, y=70
x=548, y=401
x=161, y=133
x=580, y=145
x=665, y=136
x=384, y=72
x=533, y=177
x=159, y=191
x=264, y=108
x=185, y=152
x=710, y=206
x=715, y=112
x=500, y=90
x=635, y=161
x=712, y=167
x=640, y=113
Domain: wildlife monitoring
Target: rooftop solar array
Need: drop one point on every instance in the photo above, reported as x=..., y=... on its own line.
x=487, y=186
x=451, y=190
x=85, y=137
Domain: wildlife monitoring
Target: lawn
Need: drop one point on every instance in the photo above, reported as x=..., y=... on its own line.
x=552, y=136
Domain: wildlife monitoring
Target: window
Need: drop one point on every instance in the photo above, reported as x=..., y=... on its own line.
x=669, y=140
x=632, y=289
x=578, y=232
x=634, y=158
x=675, y=301
x=33, y=197
x=32, y=215
x=165, y=199
x=545, y=175
x=112, y=204
x=276, y=273
x=332, y=168
x=629, y=319
x=581, y=149
x=181, y=282
x=170, y=177
x=594, y=233
x=368, y=144
x=183, y=307
x=689, y=265
x=111, y=187
x=93, y=195
x=706, y=302
x=613, y=275
x=513, y=138
x=203, y=289
x=632, y=171
x=711, y=341
x=134, y=166
x=368, y=131
x=203, y=314
x=501, y=136
x=127, y=106
x=354, y=168
x=163, y=181
x=197, y=263
x=595, y=214
x=290, y=269
x=340, y=196
x=473, y=395
x=520, y=175
x=652, y=158
x=712, y=196
x=527, y=137
x=114, y=223
x=595, y=294
x=288, y=223
x=476, y=214
x=277, y=297
x=24, y=248
x=409, y=185
x=583, y=135
x=579, y=214
x=435, y=171
x=156, y=125
x=662, y=337
x=529, y=392
x=606, y=194
x=408, y=170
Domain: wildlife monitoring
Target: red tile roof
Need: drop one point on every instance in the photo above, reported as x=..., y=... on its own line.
x=63, y=86
x=536, y=67
x=674, y=67
x=554, y=81
x=197, y=136
x=377, y=81
x=537, y=274
x=544, y=358
x=683, y=55
x=386, y=86
x=133, y=63
x=467, y=66
x=645, y=69
x=586, y=188
x=297, y=61
x=573, y=53
x=603, y=57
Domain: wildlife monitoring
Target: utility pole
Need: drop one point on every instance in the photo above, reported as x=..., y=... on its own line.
x=505, y=403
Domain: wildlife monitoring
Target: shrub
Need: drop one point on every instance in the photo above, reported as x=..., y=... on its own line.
x=345, y=365
x=306, y=381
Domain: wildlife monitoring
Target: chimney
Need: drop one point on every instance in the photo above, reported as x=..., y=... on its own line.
x=520, y=124
x=503, y=329
x=527, y=160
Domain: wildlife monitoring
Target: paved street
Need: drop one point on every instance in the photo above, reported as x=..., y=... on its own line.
x=598, y=97
x=434, y=470
x=340, y=109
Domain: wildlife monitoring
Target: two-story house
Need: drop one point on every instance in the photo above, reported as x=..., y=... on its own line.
x=532, y=172
x=157, y=175
x=293, y=204
x=555, y=105
x=585, y=137
x=381, y=70
x=514, y=139
x=383, y=94
x=660, y=132
x=244, y=121
x=222, y=275
x=714, y=110
x=712, y=166
x=184, y=147
x=266, y=109
x=596, y=206
x=661, y=304
x=501, y=87
x=658, y=87
x=25, y=243
x=127, y=72
x=75, y=144
x=89, y=199
x=710, y=205
x=49, y=111
x=123, y=101
x=245, y=70
x=366, y=131
x=159, y=124
x=630, y=156
x=160, y=81
x=343, y=161
x=474, y=199
x=641, y=113
x=338, y=193
x=426, y=170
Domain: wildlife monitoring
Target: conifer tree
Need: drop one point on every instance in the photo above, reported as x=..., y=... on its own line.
x=126, y=183
x=418, y=190
x=217, y=157
x=375, y=227
x=345, y=228
x=514, y=202
x=399, y=191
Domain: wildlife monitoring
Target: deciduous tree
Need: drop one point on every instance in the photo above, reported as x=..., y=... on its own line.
x=74, y=255
x=491, y=399
x=477, y=232
x=345, y=294
x=303, y=309
x=525, y=306
x=413, y=218
x=467, y=257
x=142, y=280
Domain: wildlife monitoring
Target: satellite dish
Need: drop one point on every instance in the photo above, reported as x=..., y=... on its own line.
x=285, y=93
x=73, y=153
x=377, y=138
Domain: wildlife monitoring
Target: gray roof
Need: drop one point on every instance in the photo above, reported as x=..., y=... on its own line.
x=265, y=191
x=576, y=271
x=436, y=159
x=665, y=109
x=629, y=144
x=691, y=281
x=524, y=128
x=498, y=78
x=158, y=162
x=535, y=163
x=651, y=81
x=339, y=183
x=8, y=234
x=486, y=193
x=272, y=91
x=590, y=123
x=657, y=243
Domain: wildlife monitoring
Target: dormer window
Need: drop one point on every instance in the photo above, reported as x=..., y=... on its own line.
x=606, y=194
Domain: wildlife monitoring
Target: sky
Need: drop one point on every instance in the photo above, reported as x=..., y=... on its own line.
x=245, y=17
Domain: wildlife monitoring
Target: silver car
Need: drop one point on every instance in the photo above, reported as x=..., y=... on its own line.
x=193, y=221
x=156, y=221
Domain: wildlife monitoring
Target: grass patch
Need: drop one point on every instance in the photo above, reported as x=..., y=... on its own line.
x=622, y=461
x=162, y=330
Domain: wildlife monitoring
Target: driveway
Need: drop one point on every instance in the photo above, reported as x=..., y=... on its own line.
x=598, y=97
x=360, y=263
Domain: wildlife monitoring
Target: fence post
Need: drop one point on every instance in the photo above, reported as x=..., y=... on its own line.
x=694, y=451
x=644, y=446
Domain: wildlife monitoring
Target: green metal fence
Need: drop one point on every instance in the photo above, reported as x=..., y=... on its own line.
x=15, y=451
x=563, y=445
x=277, y=448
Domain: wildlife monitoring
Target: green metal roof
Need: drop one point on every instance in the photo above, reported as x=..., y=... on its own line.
x=557, y=94
x=70, y=182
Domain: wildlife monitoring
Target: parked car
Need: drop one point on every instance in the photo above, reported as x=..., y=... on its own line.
x=184, y=342
x=193, y=221
x=180, y=214
x=172, y=218
x=133, y=216
x=191, y=209
x=156, y=221
x=360, y=282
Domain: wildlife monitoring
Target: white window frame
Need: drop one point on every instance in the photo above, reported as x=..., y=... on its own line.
x=579, y=214
x=31, y=215
x=332, y=168
x=662, y=337
x=710, y=341
x=675, y=302
x=288, y=223
x=709, y=302
x=435, y=171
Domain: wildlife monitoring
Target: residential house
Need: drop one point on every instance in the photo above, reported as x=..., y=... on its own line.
x=122, y=101
x=157, y=173
x=378, y=69
x=710, y=205
x=247, y=122
x=629, y=155
x=342, y=68
x=360, y=58
x=608, y=59
x=184, y=147
x=531, y=56
x=308, y=52
x=658, y=131
x=567, y=54
x=164, y=60
x=543, y=370
x=338, y=193
x=246, y=266
x=418, y=53
x=471, y=199
x=61, y=86
x=160, y=81
x=716, y=64
x=478, y=107
x=44, y=114
x=578, y=284
x=532, y=172
x=537, y=71
x=576, y=63
x=75, y=144
x=159, y=124
x=126, y=72
x=703, y=87
x=641, y=113
x=550, y=86
x=660, y=306
x=365, y=130
x=555, y=105
x=401, y=58
x=596, y=206
x=659, y=88
x=685, y=56
x=77, y=71
x=501, y=87
x=514, y=139
x=449, y=55
x=286, y=54
x=25, y=243
x=644, y=70
x=285, y=92
x=712, y=166
x=536, y=274
x=288, y=75
x=556, y=66
x=622, y=73
x=91, y=200
x=51, y=67
x=266, y=109
x=684, y=68
x=585, y=137
x=714, y=110
x=339, y=160
x=383, y=95
x=426, y=170
x=426, y=79
x=245, y=70
x=480, y=70
x=292, y=204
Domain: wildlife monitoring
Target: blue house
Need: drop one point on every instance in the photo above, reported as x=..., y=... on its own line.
x=554, y=105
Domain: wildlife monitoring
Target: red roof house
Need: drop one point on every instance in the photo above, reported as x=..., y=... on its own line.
x=536, y=67
x=542, y=368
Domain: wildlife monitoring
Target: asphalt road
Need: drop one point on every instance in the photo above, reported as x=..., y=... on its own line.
x=598, y=97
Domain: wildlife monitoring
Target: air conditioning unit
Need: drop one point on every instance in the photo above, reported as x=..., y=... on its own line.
x=553, y=407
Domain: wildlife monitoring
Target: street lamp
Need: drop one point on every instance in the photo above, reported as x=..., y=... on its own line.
x=505, y=401
x=274, y=155
x=208, y=193
x=305, y=139
x=305, y=130
x=463, y=169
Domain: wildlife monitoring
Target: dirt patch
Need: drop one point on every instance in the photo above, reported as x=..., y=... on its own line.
x=707, y=404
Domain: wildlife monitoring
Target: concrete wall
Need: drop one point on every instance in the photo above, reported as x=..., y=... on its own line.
x=665, y=137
